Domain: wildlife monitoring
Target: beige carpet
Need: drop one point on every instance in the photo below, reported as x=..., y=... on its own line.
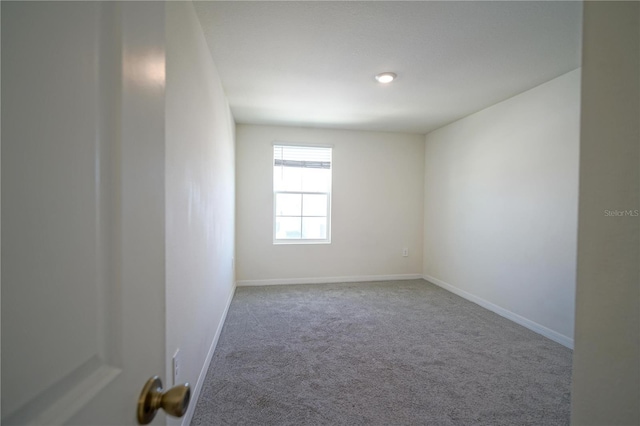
x=384, y=353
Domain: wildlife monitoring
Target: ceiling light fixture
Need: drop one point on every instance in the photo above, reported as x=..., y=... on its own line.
x=386, y=77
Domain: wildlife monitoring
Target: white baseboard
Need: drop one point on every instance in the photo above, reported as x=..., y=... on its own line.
x=327, y=280
x=195, y=394
x=531, y=325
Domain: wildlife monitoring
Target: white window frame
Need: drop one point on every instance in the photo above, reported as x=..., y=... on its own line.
x=278, y=241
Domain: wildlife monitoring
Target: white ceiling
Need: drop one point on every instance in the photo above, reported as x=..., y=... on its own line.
x=303, y=63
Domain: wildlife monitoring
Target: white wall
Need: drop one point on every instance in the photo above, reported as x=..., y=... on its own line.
x=501, y=191
x=606, y=366
x=376, y=208
x=200, y=197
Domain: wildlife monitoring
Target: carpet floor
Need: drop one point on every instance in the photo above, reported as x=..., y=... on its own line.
x=381, y=353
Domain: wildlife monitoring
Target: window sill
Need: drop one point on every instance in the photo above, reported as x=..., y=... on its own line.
x=299, y=242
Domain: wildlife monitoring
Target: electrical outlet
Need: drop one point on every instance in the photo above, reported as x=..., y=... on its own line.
x=405, y=252
x=177, y=365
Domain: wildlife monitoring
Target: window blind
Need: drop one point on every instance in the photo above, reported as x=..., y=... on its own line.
x=302, y=156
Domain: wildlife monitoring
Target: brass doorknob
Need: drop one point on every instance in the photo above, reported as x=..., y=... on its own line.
x=152, y=398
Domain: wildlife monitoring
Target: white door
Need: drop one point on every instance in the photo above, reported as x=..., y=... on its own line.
x=83, y=291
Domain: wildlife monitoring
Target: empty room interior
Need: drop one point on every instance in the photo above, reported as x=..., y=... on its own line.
x=387, y=213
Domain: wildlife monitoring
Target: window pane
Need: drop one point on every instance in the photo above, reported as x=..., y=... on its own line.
x=316, y=180
x=314, y=205
x=288, y=204
x=314, y=228
x=288, y=228
x=287, y=178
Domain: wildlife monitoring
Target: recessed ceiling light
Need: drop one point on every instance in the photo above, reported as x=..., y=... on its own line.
x=386, y=77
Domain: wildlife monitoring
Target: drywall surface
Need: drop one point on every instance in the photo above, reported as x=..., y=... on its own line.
x=606, y=368
x=376, y=207
x=501, y=193
x=200, y=195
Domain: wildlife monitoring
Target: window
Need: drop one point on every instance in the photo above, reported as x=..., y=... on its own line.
x=301, y=194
